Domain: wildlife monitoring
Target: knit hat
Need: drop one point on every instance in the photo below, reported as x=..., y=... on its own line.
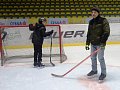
x=95, y=9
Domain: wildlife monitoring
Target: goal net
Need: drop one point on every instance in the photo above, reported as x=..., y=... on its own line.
x=17, y=46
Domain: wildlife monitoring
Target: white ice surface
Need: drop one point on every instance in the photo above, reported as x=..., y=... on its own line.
x=25, y=77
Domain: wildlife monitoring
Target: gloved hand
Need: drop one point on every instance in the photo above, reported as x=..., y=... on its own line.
x=87, y=47
x=31, y=27
x=102, y=46
x=51, y=32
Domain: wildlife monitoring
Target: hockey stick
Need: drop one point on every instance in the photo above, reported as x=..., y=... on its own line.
x=51, y=52
x=55, y=75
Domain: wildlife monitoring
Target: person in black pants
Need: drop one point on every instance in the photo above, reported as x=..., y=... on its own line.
x=3, y=36
x=4, y=33
x=39, y=32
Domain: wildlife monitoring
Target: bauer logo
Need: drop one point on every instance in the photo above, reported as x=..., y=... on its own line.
x=69, y=37
x=68, y=34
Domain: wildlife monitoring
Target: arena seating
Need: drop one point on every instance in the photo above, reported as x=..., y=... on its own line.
x=57, y=8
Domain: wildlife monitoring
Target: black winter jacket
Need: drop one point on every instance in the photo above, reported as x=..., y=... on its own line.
x=98, y=31
x=39, y=32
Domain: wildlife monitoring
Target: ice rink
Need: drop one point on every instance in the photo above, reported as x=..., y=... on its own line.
x=25, y=77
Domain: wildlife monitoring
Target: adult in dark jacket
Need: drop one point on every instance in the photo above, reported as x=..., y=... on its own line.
x=97, y=35
x=39, y=32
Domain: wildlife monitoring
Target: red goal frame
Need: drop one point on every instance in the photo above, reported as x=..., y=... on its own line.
x=5, y=26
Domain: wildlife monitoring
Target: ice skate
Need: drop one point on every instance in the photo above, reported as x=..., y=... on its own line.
x=92, y=74
x=102, y=78
x=35, y=65
x=41, y=65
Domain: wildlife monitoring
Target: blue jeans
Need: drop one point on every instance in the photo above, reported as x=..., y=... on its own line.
x=101, y=59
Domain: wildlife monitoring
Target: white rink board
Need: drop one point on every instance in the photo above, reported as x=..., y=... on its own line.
x=71, y=38
x=71, y=33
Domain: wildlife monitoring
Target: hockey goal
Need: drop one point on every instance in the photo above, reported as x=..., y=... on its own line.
x=17, y=46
